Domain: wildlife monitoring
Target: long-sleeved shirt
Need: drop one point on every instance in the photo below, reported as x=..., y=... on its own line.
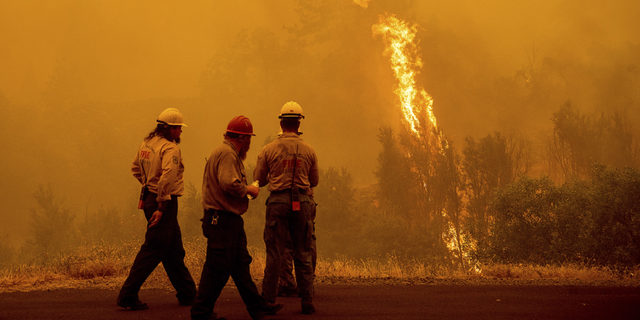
x=158, y=165
x=224, y=185
x=276, y=162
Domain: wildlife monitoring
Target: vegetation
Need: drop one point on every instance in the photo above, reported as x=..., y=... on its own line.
x=440, y=207
x=431, y=206
x=107, y=265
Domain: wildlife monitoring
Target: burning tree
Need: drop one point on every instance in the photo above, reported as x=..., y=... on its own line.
x=433, y=183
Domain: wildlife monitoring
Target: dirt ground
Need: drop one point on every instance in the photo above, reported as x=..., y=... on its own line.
x=353, y=301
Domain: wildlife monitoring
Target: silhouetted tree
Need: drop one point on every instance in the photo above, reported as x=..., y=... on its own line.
x=523, y=228
x=335, y=196
x=615, y=209
x=51, y=224
x=580, y=141
x=102, y=225
x=7, y=251
x=435, y=185
x=488, y=164
x=396, y=182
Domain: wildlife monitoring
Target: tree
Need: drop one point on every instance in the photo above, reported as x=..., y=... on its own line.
x=51, y=224
x=488, y=164
x=580, y=141
x=436, y=186
x=102, y=225
x=7, y=251
x=395, y=180
x=418, y=193
x=335, y=197
x=523, y=227
x=615, y=210
x=576, y=143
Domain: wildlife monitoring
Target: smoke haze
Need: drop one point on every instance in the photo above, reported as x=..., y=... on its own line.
x=82, y=82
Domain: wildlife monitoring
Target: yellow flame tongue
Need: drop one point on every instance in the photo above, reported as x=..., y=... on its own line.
x=405, y=62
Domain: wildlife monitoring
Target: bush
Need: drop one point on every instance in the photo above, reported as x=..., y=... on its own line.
x=615, y=211
x=595, y=221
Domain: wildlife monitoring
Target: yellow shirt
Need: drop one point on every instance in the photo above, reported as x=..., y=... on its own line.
x=224, y=185
x=158, y=165
x=276, y=162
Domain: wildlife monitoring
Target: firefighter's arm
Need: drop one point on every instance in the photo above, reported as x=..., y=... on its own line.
x=314, y=173
x=230, y=177
x=261, y=170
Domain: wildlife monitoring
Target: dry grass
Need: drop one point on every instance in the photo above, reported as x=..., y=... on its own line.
x=107, y=265
x=567, y=271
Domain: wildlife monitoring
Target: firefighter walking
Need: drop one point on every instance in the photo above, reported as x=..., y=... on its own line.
x=224, y=200
x=158, y=167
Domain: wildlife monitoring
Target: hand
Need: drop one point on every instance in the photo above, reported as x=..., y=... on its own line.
x=253, y=191
x=155, y=218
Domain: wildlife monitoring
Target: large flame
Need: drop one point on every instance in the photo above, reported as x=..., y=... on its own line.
x=405, y=62
x=416, y=104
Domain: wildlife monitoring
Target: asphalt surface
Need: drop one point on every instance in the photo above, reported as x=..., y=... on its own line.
x=351, y=302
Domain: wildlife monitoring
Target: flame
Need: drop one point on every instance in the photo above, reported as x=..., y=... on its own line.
x=405, y=62
x=417, y=104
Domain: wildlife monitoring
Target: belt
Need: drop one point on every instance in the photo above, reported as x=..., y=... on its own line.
x=213, y=211
x=302, y=191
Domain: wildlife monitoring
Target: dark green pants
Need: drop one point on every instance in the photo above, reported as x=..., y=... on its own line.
x=227, y=256
x=287, y=279
x=163, y=243
x=283, y=222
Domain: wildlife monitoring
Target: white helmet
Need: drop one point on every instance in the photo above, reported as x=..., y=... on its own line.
x=172, y=117
x=291, y=110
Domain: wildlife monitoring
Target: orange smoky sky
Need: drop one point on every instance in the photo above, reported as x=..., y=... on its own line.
x=145, y=53
x=127, y=50
x=141, y=49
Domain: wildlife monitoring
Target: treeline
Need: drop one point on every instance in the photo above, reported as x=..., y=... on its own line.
x=55, y=230
x=484, y=204
x=431, y=202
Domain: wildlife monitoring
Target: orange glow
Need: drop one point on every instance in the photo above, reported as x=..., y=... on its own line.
x=405, y=62
x=363, y=3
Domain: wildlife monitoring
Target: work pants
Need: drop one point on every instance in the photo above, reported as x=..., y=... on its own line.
x=227, y=256
x=287, y=279
x=282, y=221
x=163, y=243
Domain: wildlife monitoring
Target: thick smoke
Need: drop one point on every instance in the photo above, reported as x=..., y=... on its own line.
x=83, y=81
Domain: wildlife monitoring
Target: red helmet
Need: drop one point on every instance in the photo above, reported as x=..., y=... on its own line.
x=240, y=125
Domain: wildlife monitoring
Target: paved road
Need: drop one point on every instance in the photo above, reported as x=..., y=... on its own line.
x=352, y=302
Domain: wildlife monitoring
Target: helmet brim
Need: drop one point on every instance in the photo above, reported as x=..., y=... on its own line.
x=241, y=133
x=291, y=116
x=172, y=124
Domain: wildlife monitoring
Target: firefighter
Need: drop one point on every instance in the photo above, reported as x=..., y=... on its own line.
x=224, y=200
x=290, y=167
x=159, y=168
